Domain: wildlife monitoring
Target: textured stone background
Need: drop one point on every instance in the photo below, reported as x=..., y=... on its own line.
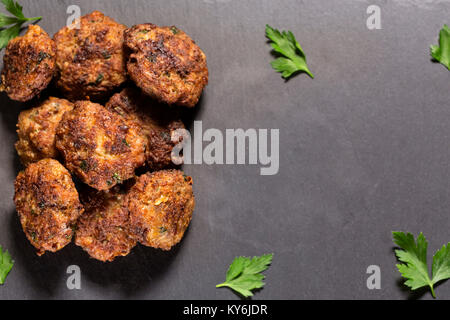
x=364, y=151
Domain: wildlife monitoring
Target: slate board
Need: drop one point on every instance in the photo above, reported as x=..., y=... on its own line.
x=364, y=150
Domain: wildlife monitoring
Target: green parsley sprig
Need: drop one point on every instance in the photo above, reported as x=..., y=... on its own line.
x=15, y=22
x=292, y=58
x=414, y=268
x=6, y=264
x=441, y=52
x=244, y=274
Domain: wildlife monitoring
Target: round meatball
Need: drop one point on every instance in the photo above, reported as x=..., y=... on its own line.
x=158, y=124
x=166, y=64
x=48, y=205
x=37, y=130
x=102, y=231
x=29, y=64
x=161, y=206
x=90, y=60
x=100, y=147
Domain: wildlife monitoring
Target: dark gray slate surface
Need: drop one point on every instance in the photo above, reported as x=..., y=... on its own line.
x=364, y=151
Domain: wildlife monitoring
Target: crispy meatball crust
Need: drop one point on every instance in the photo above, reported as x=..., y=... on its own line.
x=29, y=64
x=161, y=206
x=37, y=130
x=166, y=64
x=99, y=146
x=102, y=231
x=48, y=205
x=158, y=124
x=90, y=60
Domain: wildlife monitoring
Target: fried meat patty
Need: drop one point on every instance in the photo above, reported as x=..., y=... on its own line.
x=29, y=64
x=37, y=130
x=166, y=64
x=100, y=147
x=157, y=122
x=102, y=231
x=90, y=60
x=48, y=205
x=161, y=206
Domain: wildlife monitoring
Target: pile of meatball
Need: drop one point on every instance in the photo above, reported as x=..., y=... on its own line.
x=82, y=158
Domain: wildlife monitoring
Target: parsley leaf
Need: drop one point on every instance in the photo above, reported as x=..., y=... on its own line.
x=6, y=21
x=14, y=8
x=414, y=257
x=17, y=21
x=441, y=53
x=292, y=58
x=7, y=34
x=441, y=264
x=244, y=274
x=6, y=264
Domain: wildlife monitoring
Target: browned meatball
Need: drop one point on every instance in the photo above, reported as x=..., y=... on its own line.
x=99, y=146
x=29, y=64
x=161, y=206
x=102, y=231
x=48, y=205
x=158, y=124
x=37, y=130
x=166, y=64
x=90, y=59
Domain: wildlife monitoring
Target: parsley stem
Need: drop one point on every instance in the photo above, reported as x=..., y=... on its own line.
x=432, y=291
x=32, y=19
x=221, y=285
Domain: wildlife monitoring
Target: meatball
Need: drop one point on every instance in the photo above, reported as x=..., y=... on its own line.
x=29, y=64
x=102, y=231
x=158, y=124
x=48, y=205
x=90, y=60
x=161, y=206
x=166, y=64
x=100, y=147
x=37, y=130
